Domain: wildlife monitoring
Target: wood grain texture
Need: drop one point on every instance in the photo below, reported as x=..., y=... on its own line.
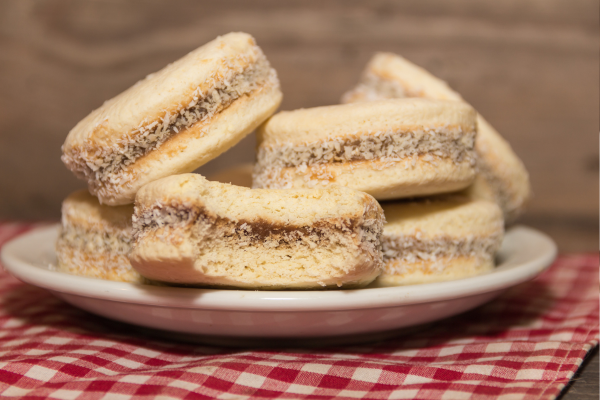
x=530, y=67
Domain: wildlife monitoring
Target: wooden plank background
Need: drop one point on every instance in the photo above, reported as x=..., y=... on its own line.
x=530, y=67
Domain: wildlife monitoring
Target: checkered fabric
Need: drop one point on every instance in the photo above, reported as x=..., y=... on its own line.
x=526, y=344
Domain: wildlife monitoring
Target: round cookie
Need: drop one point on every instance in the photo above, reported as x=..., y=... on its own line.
x=189, y=230
x=389, y=148
x=439, y=239
x=174, y=120
x=502, y=176
x=94, y=239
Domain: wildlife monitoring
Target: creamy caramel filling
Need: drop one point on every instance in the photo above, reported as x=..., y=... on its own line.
x=260, y=232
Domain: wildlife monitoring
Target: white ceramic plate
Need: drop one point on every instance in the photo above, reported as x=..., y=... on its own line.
x=237, y=316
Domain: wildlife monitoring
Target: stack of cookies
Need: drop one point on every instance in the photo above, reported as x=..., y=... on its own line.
x=312, y=218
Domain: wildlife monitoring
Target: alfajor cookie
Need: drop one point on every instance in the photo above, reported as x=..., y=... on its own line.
x=502, y=176
x=439, y=239
x=174, y=120
x=189, y=230
x=389, y=148
x=94, y=239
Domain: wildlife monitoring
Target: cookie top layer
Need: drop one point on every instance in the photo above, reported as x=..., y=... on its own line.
x=300, y=207
x=454, y=216
x=355, y=119
x=82, y=209
x=165, y=92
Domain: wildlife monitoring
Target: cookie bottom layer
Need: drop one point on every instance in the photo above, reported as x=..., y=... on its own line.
x=400, y=272
x=183, y=255
x=415, y=176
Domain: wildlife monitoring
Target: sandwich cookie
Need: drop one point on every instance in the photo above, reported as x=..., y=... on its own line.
x=389, y=148
x=502, y=176
x=174, y=120
x=94, y=239
x=439, y=239
x=192, y=231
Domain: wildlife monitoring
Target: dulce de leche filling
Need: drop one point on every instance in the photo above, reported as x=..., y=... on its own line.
x=261, y=232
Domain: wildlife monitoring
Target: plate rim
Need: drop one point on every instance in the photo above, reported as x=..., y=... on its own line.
x=269, y=301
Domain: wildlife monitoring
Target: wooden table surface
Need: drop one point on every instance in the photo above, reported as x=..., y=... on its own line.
x=530, y=67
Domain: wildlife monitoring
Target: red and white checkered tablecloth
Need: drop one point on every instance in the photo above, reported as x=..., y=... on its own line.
x=526, y=344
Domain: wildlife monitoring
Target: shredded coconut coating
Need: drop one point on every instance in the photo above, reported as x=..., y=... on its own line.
x=451, y=142
x=95, y=253
x=443, y=141
x=410, y=249
x=95, y=241
x=161, y=215
x=261, y=233
x=105, y=165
